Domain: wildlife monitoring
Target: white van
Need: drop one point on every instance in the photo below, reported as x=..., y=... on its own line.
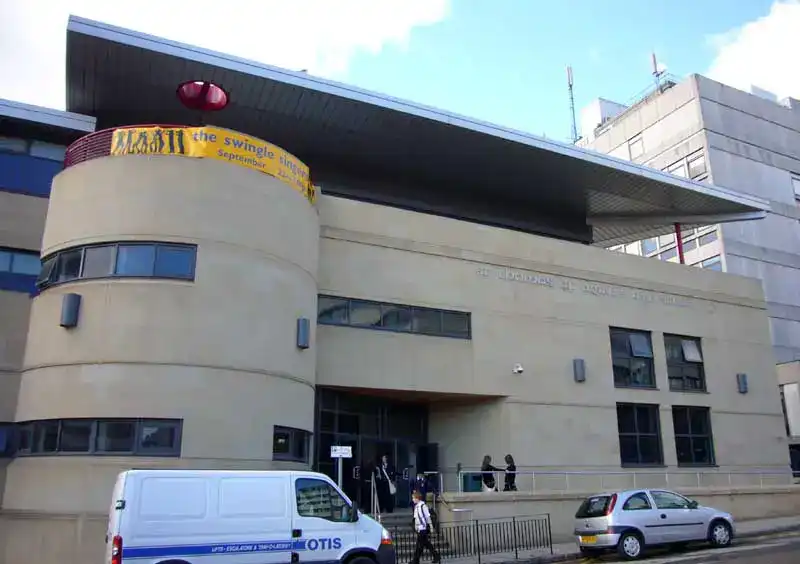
x=239, y=517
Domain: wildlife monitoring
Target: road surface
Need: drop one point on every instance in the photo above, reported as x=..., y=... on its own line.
x=778, y=549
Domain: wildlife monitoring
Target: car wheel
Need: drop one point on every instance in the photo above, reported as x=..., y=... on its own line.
x=630, y=546
x=719, y=534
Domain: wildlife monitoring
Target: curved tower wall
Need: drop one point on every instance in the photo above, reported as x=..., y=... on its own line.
x=218, y=352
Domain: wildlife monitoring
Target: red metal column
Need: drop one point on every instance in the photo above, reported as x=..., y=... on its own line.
x=679, y=242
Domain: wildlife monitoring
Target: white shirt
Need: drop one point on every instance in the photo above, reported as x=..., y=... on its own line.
x=422, y=517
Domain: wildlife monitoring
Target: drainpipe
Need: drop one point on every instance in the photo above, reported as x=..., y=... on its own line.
x=679, y=243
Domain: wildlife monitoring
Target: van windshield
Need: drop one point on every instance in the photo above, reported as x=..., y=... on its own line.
x=595, y=506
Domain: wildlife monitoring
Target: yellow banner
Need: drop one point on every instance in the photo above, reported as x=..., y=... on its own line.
x=216, y=143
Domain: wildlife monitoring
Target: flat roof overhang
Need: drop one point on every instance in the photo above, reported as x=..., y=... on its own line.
x=381, y=149
x=43, y=124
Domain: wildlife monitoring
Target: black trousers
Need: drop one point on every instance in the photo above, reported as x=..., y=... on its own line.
x=423, y=542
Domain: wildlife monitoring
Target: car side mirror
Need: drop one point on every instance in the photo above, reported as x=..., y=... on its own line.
x=693, y=504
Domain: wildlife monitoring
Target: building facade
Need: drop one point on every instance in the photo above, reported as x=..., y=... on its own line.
x=201, y=304
x=704, y=130
x=32, y=145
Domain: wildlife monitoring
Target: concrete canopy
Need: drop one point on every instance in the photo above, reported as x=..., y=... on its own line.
x=381, y=149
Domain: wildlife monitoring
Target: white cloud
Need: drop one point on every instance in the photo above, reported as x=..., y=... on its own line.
x=321, y=36
x=761, y=52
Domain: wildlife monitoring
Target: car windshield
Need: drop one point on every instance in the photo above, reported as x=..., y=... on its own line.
x=595, y=506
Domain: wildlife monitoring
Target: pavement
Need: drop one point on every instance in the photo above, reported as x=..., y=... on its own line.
x=745, y=531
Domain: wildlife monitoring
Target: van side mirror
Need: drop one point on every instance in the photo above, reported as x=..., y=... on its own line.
x=693, y=504
x=354, y=515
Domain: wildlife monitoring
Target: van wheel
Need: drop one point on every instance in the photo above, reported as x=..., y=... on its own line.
x=361, y=560
x=630, y=546
x=719, y=534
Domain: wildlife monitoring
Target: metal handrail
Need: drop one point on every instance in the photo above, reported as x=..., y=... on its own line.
x=633, y=474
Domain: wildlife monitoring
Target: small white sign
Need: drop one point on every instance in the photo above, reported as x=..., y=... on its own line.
x=341, y=452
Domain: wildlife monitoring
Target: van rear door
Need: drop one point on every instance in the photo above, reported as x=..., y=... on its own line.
x=115, y=511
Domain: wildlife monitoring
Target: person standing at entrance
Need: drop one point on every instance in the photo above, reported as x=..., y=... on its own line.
x=511, y=475
x=423, y=525
x=384, y=482
x=487, y=474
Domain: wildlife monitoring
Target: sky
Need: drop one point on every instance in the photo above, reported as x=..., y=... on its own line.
x=501, y=61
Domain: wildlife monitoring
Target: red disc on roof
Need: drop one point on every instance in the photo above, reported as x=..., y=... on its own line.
x=202, y=95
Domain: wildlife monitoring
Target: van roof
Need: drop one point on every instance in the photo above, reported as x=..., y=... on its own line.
x=151, y=471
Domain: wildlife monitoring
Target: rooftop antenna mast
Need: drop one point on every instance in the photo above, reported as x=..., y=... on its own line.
x=657, y=73
x=572, y=105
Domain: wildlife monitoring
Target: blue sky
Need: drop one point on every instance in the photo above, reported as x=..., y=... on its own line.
x=504, y=60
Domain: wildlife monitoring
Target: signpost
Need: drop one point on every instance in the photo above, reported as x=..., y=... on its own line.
x=340, y=452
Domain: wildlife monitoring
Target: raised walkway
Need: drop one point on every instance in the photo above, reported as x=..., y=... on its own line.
x=569, y=551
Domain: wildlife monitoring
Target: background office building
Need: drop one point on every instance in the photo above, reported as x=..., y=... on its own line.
x=746, y=141
x=214, y=308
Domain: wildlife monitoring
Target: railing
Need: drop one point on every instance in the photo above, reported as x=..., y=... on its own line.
x=517, y=536
x=97, y=144
x=540, y=481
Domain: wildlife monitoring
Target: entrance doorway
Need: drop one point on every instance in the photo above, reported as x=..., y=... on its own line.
x=373, y=427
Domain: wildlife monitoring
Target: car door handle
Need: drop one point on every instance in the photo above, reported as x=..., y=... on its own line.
x=296, y=533
x=663, y=516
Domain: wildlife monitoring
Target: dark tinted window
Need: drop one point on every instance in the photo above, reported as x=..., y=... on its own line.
x=69, y=266
x=158, y=260
x=290, y=444
x=116, y=436
x=595, y=506
x=632, y=359
x=98, y=261
x=366, y=314
x=639, y=434
x=393, y=317
x=45, y=437
x=135, y=260
x=694, y=444
x=160, y=437
x=175, y=261
x=76, y=436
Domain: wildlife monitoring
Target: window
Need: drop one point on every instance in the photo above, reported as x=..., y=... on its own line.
x=128, y=437
x=317, y=498
x=649, y=246
x=143, y=260
x=669, y=254
x=669, y=500
x=796, y=184
x=697, y=166
x=18, y=270
x=708, y=238
x=693, y=439
x=689, y=245
x=665, y=240
x=6, y=439
x=290, y=444
x=13, y=145
x=678, y=169
x=637, y=502
x=684, y=364
x=713, y=263
x=632, y=359
x=636, y=146
x=158, y=437
x=639, y=434
x=393, y=317
x=785, y=414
